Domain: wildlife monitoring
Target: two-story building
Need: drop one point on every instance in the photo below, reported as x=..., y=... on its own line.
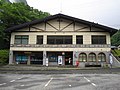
x=60, y=39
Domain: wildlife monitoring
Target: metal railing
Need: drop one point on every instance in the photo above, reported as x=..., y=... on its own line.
x=64, y=46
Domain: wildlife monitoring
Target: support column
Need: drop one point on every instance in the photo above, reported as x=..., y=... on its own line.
x=45, y=39
x=44, y=57
x=74, y=39
x=28, y=62
x=10, y=57
x=75, y=57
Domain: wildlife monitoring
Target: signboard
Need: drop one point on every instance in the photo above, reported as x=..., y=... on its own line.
x=46, y=61
x=111, y=60
x=60, y=60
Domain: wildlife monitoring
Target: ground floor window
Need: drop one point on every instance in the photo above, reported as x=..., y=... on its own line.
x=36, y=58
x=53, y=56
x=92, y=57
x=21, y=59
x=82, y=57
x=101, y=57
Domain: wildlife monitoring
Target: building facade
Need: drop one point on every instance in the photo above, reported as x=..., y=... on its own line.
x=60, y=40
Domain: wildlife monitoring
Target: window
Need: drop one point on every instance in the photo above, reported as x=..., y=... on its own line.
x=82, y=57
x=59, y=40
x=79, y=39
x=52, y=57
x=101, y=39
x=101, y=57
x=39, y=39
x=21, y=39
x=92, y=57
x=21, y=58
x=36, y=58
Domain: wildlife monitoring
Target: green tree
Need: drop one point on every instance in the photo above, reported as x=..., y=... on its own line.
x=12, y=14
x=115, y=39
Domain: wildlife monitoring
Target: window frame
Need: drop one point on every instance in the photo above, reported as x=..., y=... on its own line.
x=79, y=38
x=92, y=57
x=98, y=39
x=22, y=58
x=56, y=39
x=82, y=57
x=21, y=39
x=41, y=39
x=102, y=57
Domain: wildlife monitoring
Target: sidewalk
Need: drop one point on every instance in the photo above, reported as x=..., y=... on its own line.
x=36, y=69
x=41, y=68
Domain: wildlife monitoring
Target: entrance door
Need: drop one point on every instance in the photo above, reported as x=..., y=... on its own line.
x=68, y=58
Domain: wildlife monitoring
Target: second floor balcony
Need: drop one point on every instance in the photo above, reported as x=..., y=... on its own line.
x=62, y=45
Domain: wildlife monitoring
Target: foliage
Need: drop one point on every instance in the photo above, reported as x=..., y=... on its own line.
x=115, y=39
x=4, y=54
x=116, y=52
x=12, y=14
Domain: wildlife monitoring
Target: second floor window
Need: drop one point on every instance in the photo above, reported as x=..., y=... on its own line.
x=39, y=39
x=59, y=40
x=79, y=39
x=21, y=39
x=98, y=39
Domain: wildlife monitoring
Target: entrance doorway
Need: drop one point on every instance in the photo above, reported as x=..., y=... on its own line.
x=68, y=58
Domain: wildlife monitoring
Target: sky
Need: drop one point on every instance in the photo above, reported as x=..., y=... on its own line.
x=105, y=12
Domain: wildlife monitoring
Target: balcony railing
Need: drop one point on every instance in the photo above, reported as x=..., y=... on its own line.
x=64, y=46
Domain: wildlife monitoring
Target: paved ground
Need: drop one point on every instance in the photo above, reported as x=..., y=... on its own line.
x=21, y=69
x=60, y=82
x=64, y=71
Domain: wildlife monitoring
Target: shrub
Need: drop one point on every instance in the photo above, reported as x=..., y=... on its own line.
x=4, y=54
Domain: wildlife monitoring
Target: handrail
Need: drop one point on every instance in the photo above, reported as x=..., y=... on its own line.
x=64, y=46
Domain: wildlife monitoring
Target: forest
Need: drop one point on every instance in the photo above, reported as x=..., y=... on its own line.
x=12, y=14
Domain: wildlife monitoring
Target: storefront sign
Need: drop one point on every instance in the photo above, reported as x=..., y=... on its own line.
x=60, y=60
x=46, y=61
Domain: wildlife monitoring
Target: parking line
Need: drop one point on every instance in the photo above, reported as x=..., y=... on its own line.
x=87, y=79
x=22, y=85
x=2, y=84
x=90, y=81
x=12, y=81
x=94, y=84
x=48, y=82
x=69, y=85
x=19, y=78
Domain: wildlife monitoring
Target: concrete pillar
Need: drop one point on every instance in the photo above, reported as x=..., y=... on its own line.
x=108, y=57
x=75, y=57
x=10, y=57
x=74, y=39
x=45, y=39
x=28, y=62
x=44, y=57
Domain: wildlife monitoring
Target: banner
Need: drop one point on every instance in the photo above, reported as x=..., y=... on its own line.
x=60, y=60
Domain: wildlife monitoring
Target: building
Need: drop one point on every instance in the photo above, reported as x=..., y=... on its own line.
x=60, y=39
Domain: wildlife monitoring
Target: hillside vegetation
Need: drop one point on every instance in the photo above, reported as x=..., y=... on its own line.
x=115, y=39
x=12, y=14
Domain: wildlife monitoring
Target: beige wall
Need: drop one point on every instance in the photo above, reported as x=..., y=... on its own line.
x=70, y=30
x=58, y=49
x=86, y=36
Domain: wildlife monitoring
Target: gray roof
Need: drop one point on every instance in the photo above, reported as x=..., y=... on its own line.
x=91, y=24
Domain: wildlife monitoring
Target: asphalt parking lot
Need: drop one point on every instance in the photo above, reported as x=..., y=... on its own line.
x=60, y=82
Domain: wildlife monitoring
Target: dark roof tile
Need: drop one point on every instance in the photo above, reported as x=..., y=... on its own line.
x=17, y=27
